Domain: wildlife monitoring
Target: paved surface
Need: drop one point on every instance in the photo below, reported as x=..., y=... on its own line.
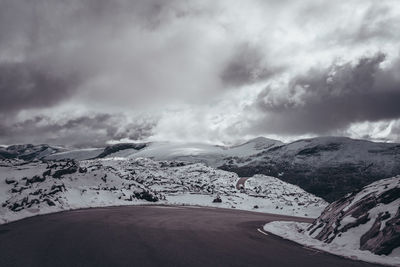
x=154, y=236
x=240, y=183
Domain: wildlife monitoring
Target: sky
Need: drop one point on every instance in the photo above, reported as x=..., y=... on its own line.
x=89, y=72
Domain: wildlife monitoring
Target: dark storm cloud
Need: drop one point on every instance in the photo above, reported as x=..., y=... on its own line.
x=49, y=49
x=25, y=85
x=247, y=65
x=329, y=99
x=94, y=130
x=176, y=59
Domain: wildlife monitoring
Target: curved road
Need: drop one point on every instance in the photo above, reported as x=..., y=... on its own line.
x=154, y=236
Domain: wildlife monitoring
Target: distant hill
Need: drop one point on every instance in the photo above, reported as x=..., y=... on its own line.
x=328, y=167
x=27, y=151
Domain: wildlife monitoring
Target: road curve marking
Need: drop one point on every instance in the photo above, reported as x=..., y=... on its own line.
x=261, y=231
x=312, y=249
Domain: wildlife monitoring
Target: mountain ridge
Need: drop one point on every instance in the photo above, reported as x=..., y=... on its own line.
x=328, y=167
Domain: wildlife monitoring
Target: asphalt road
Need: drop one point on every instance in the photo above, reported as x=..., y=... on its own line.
x=154, y=236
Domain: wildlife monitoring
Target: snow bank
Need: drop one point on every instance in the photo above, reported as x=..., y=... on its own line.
x=362, y=225
x=295, y=231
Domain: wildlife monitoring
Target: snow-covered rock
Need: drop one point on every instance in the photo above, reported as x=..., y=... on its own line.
x=284, y=195
x=363, y=225
x=369, y=219
x=29, y=188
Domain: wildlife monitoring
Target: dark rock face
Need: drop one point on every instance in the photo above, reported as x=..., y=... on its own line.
x=35, y=179
x=217, y=199
x=69, y=167
x=382, y=242
x=146, y=195
x=118, y=147
x=373, y=202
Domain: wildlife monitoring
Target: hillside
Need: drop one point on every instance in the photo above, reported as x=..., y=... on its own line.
x=29, y=188
x=328, y=167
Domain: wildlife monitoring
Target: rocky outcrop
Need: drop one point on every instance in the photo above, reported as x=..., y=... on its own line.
x=118, y=147
x=70, y=167
x=373, y=211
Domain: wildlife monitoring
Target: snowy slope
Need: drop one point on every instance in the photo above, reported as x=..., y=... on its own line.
x=281, y=194
x=358, y=225
x=29, y=188
x=328, y=167
x=211, y=155
x=77, y=154
x=28, y=151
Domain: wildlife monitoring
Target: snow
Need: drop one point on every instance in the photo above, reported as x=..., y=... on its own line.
x=115, y=181
x=78, y=154
x=376, y=188
x=295, y=231
x=347, y=242
x=211, y=155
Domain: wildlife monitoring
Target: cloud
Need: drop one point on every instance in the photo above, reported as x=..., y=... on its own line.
x=81, y=131
x=326, y=100
x=126, y=53
x=246, y=66
x=227, y=70
x=23, y=85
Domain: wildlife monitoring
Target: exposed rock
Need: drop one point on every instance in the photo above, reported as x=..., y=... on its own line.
x=35, y=179
x=10, y=181
x=217, y=199
x=146, y=195
x=47, y=173
x=376, y=206
x=71, y=166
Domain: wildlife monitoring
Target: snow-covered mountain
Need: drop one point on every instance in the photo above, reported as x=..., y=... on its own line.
x=362, y=225
x=328, y=167
x=28, y=151
x=212, y=155
x=30, y=188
